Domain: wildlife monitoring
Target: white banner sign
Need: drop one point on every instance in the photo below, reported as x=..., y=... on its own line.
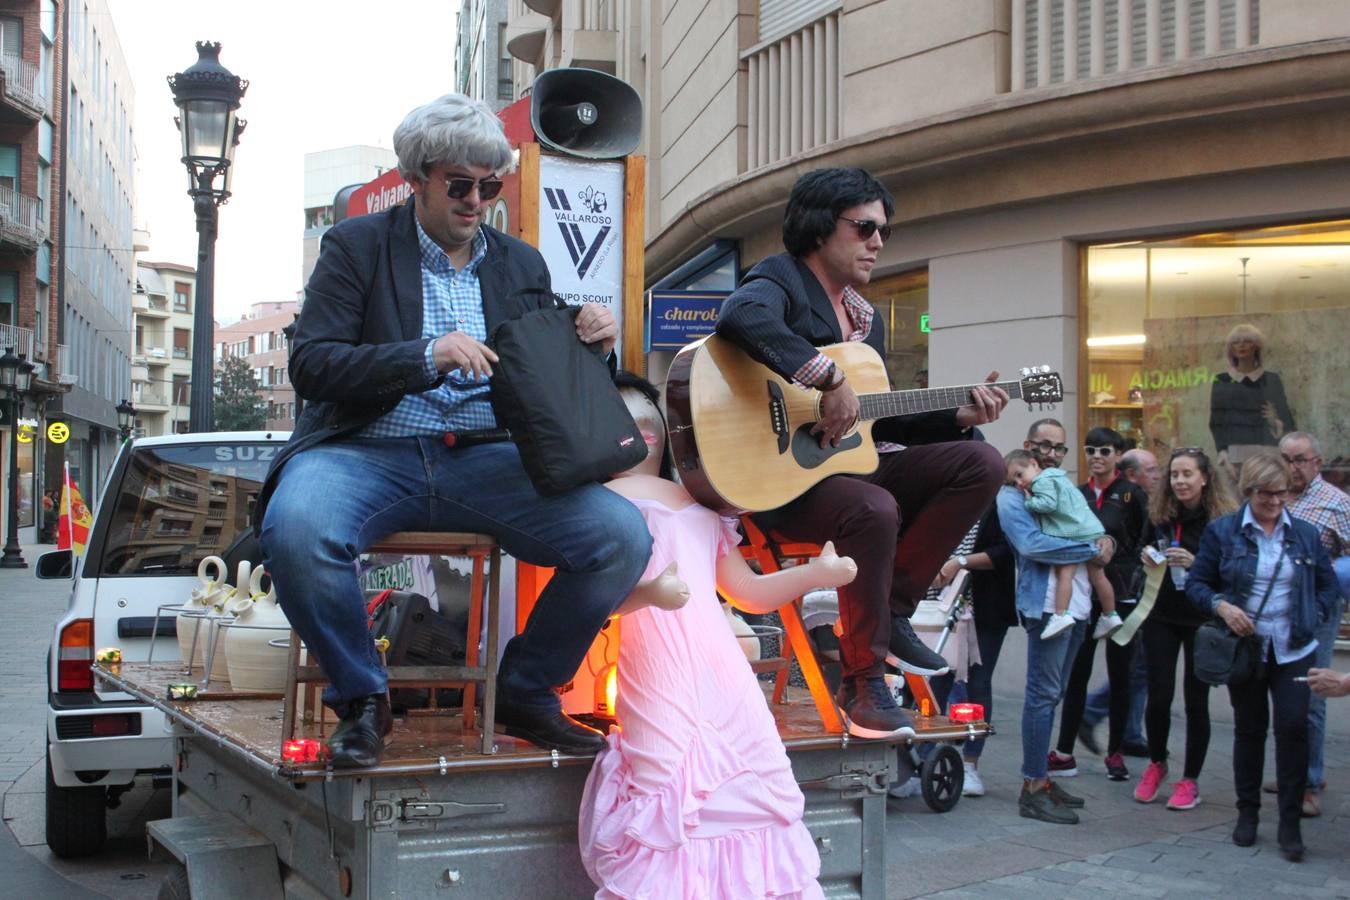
x=581, y=230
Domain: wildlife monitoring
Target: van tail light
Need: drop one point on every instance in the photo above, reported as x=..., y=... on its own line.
x=76, y=656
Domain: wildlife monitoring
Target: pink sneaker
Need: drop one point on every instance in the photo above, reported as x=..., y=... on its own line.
x=1147, y=791
x=1185, y=795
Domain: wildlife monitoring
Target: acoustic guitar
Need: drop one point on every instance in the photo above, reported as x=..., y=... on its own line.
x=741, y=435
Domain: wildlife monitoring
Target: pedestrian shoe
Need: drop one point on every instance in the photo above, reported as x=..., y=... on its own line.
x=1063, y=797
x=1087, y=736
x=974, y=784
x=1270, y=787
x=1136, y=749
x=358, y=740
x=909, y=654
x=1040, y=805
x=1291, y=841
x=1060, y=765
x=1115, y=768
x=1147, y=791
x=1055, y=624
x=1185, y=795
x=903, y=790
x=551, y=729
x=871, y=711
x=1244, y=832
x=1312, y=806
x=1107, y=625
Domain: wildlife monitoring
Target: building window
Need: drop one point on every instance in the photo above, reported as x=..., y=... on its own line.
x=9, y=170
x=180, y=390
x=901, y=302
x=1174, y=324
x=182, y=294
x=182, y=343
x=9, y=298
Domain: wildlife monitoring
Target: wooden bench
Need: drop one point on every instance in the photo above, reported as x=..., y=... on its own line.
x=484, y=597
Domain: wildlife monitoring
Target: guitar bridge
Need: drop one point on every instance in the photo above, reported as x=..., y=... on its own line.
x=778, y=419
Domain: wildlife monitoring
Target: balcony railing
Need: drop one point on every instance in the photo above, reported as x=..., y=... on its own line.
x=22, y=84
x=65, y=365
x=1059, y=41
x=793, y=92
x=21, y=339
x=597, y=15
x=19, y=219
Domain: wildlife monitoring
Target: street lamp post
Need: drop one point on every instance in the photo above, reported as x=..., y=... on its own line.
x=207, y=95
x=16, y=373
x=126, y=419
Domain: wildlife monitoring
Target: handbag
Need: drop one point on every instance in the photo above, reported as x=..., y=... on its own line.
x=1222, y=657
x=556, y=397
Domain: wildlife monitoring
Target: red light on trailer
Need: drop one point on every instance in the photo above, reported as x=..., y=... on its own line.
x=301, y=750
x=966, y=712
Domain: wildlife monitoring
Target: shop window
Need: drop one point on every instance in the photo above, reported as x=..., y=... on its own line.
x=901, y=302
x=1162, y=316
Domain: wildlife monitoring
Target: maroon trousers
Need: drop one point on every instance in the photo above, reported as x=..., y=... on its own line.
x=899, y=525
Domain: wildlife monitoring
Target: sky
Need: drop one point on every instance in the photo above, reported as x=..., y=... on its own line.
x=322, y=74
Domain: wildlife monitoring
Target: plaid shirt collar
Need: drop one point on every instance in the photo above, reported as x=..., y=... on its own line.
x=435, y=259
x=1328, y=508
x=859, y=313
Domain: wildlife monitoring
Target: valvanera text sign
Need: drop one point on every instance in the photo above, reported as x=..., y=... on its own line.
x=678, y=317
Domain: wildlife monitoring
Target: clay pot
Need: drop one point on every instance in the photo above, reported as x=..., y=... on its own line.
x=253, y=664
x=208, y=597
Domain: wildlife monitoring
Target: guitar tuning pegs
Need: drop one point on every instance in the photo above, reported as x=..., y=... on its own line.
x=1024, y=371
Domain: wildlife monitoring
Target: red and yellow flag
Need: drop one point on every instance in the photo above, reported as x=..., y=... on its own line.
x=75, y=519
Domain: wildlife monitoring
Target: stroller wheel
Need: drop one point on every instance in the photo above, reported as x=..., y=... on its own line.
x=942, y=776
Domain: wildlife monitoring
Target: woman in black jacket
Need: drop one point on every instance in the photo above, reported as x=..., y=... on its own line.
x=1187, y=501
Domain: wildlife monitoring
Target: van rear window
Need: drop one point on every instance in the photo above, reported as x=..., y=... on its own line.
x=178, y=505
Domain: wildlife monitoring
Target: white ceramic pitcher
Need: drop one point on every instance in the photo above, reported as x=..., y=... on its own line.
x=255, y=665
x=208, y=597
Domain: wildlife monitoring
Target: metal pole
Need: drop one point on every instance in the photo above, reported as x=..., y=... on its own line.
x=201, y=412
x=12, y=558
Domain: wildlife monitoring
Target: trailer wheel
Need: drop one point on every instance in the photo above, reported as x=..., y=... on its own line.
x=77, y=818
x=175, y=884
x=942, y=776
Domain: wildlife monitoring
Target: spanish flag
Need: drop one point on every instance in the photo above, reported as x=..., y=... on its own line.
x=72, y=526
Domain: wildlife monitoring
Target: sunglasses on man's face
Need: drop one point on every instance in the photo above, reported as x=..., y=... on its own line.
x=1047, y=447
x=1098, y=451
x=867, y=228
x=458, y=187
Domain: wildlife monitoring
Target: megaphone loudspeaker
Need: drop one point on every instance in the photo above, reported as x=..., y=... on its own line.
x=585, y=113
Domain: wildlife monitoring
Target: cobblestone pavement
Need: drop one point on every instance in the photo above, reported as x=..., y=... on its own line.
x=982, y=848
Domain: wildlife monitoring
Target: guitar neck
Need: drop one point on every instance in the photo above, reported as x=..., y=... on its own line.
x=904, y=403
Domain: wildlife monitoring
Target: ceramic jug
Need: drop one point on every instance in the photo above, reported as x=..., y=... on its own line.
x=255, y=665
x=208, y=597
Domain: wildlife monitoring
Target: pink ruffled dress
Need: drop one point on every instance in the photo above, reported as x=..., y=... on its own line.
x=694, y=796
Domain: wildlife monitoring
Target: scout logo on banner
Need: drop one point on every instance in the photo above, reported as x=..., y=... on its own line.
x=581, y=230
x=75, y=519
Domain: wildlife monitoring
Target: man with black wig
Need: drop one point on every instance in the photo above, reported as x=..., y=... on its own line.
x=934, y=480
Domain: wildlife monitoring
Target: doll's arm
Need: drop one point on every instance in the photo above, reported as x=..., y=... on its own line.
x=666, y=591
x=754, y=593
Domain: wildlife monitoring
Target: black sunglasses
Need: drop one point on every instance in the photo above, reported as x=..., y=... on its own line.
x=1047, y=447
x=458, y=188
x=867, y=228
x=1188, y=451
x=1090, y=450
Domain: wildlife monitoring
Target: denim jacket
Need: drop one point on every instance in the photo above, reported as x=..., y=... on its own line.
x=1036, y=551
x=1225, y=568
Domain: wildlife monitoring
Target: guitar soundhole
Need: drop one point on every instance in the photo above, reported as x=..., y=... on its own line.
x=806, y=449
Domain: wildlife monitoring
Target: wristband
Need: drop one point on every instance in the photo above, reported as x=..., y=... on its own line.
x=833, y=385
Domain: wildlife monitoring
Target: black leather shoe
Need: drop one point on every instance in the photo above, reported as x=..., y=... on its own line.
x=1244, y=832
x=552, y=730
x=909, y=654
x=358, y=740
x=1291, y=841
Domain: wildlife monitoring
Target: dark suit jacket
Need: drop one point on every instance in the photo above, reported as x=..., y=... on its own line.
x=779, y=314
x=358, y=346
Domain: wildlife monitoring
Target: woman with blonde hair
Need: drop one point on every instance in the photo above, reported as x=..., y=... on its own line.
x=1247, y=405
x=1266, y=573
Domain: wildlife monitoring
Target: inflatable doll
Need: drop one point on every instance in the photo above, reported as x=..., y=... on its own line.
x=694, y=796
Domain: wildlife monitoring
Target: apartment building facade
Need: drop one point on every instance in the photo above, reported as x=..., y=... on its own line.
x=162, y=302
x=260, y=339
x=326, y=173
x=1109, y=187
x=483, y=66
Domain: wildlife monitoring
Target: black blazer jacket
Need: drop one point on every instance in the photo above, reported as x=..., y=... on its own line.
x=358, y=347
x=779, y=314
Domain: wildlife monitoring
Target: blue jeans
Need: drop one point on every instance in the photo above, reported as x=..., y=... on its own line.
x=336, y=499
x=1048, y=666
x=980, y=687
x=1317, y=706
x=1098, y=705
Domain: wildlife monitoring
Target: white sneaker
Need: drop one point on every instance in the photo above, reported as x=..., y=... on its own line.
x=974, y=785
x=1058, y=622
x=1107, y=625
x=905, y=789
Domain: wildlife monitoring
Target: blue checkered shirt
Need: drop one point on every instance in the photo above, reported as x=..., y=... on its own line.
x=451, y=301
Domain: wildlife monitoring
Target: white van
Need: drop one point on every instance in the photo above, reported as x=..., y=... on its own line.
x=169, y=502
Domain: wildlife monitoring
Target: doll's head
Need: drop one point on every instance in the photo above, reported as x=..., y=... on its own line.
x=643, y=401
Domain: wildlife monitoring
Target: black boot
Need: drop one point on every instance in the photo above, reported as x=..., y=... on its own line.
x=1291, y=840
x=358, y=740
x=1244, y=832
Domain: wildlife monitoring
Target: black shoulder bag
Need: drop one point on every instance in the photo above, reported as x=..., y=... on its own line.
x=1222, y=657
x=557, y=399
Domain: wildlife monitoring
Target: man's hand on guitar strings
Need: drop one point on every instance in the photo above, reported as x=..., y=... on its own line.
x=838, y=412
x=986, y=404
